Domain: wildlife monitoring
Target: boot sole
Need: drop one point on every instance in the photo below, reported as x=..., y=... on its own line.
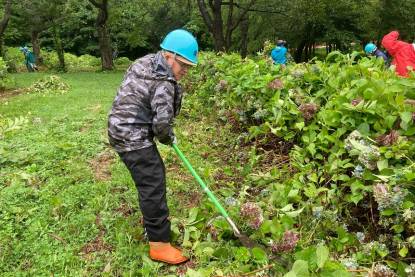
x=169, y=262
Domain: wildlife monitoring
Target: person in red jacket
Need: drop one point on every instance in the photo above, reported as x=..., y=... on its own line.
x=403, y=53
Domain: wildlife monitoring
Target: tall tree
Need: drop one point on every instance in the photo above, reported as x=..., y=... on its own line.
x=213, y=12
x=4, y=22
x=39, y=18
x=104, y=38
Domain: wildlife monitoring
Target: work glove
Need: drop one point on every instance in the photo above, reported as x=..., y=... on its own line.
x=169, y=140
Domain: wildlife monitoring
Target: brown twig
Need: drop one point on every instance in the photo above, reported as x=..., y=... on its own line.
x=410, y=102
x=258, y=270
x=58, y=238
x=357, y=270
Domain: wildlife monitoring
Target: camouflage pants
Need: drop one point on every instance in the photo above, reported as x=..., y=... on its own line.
x=149, y=175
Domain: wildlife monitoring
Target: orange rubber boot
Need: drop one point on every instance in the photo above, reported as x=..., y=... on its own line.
x=164, y=252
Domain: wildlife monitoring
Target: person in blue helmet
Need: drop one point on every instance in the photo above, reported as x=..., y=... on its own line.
x=372, y=50
x=279, y=53
x=146, y=104
x=30, y=59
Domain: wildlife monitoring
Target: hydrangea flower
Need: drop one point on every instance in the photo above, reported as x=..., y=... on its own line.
x=358, y=171
x=360, y=236
x=350, y=263
x=368, y=154
x=287, y=244
x=387, y=199
x=252, y=213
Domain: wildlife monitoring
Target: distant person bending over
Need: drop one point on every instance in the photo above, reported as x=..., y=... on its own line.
x=372, y=50
x=403, y=53
x=30, y=59
x=279, y=53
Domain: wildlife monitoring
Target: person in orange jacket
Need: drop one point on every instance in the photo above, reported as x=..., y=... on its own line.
x=403, y=53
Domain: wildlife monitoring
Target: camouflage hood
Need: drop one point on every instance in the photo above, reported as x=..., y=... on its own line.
x=146, y=103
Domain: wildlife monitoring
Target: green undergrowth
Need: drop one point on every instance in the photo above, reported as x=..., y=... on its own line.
x=69, y=207
x=314, y=163
x=331, y=149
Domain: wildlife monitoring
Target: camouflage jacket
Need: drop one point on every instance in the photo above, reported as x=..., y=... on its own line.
x=146, y=103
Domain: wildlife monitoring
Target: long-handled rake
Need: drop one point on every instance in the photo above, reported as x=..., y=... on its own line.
x=247, y=242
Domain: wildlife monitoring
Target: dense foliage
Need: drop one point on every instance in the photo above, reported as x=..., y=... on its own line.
x=5, y=78
x=15, y=61
x=347, y=130
x=136, y=27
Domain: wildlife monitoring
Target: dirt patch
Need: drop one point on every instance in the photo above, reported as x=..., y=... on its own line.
x=179, y=171
x=189, y=199
x=271, y=160
x=119, y=189
x=182, y=269
x=98, y=244
x=101, y=165
x=125, y=209
x=85, y=128
x=4, y=95
x=95, y=109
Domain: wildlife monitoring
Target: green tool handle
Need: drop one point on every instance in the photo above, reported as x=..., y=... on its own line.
x=200, y=181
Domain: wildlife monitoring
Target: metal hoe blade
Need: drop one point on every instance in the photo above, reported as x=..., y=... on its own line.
x=244, y=239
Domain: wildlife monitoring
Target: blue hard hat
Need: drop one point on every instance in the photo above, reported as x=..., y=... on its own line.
x=370, y=48
x=182, y=43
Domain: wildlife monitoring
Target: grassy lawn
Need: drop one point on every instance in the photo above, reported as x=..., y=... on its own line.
x=68, y=207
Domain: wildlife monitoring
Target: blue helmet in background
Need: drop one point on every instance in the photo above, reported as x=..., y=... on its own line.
x=182, y=43
x=24, y=49
x=370, y=48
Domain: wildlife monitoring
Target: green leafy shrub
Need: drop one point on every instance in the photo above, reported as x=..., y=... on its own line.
x=5, y=79
x=122, y=61
x=89, y=61
x=50, y=59
x=73, y=63
x=351, y=147
x=7, y=127
x=50, y=85
x=14, y=59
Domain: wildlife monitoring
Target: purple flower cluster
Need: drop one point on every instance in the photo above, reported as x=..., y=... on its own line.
x=276, y=84
x=252, y=213
x=288, y=242
x=221, y=86
x=356, y=101
x=308, y=110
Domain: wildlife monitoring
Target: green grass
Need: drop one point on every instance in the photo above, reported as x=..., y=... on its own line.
x=58, y=217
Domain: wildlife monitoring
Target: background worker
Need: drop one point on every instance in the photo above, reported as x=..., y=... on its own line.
x=403, y=53
x=30, y=59
x=279, y=53
x=372, y=50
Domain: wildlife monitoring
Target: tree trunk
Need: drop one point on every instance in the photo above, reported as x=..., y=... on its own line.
x=36, y=47
x=105, y=48
x=59, y=49
x=244, y=33
x=222, y=36
x=104, y=38
x=229, y=24
x=299, y=52
x=3, y=53
x=4, y=22
x=217, y=29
